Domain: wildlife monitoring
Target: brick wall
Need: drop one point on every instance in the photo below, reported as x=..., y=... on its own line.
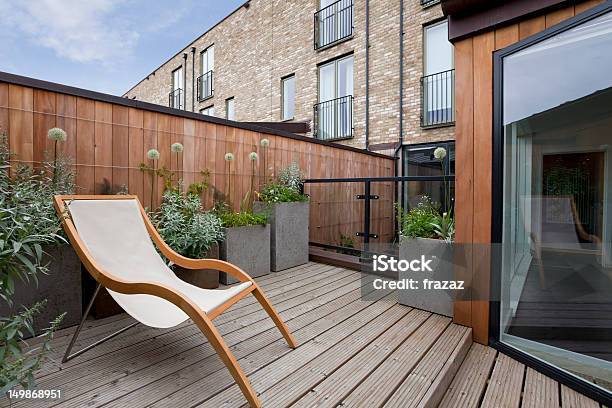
x=256, y=46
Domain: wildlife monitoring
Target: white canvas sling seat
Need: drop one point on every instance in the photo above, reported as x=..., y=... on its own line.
x=115, y=235
x=116, y=242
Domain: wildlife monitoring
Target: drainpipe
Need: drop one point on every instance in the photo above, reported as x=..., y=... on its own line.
x=185, y=81
x=367, y=75
x=193, y=50
x=396, y=154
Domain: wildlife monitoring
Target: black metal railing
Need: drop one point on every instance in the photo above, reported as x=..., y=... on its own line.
x=438, y=99
x=333, y=119
x=175, y=99
x=205, y=86
x=427, y=3
x=333, y=23
x=381, y=196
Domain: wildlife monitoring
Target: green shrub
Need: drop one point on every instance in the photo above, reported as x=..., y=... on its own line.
x=286, y=189
x=419, y=221
x=230, y=218
x=28, y=223
x=280, y=193
x=184, y=225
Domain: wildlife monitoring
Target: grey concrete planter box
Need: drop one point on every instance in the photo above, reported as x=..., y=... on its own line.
x=202, y=278
x=61, y=287
x=437, y=301
x=289, y=233
x=247, y=248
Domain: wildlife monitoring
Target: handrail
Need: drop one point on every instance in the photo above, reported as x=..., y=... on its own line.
x=175, y=99
x=438, y=98
x=205, y=86
x=333, y=23
x=333, y=119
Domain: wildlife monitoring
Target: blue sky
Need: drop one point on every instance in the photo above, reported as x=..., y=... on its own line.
x=102, y=45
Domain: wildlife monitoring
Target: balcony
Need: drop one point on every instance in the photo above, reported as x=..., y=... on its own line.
x=333, y=24
x=175, y=99
x=427, y=3
x=333, y=119
x=205, y=88
x=438, y=99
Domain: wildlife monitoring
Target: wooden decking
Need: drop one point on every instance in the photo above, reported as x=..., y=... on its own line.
x=352, y=352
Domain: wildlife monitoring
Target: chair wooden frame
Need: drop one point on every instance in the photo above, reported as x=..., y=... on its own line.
x=202, y=319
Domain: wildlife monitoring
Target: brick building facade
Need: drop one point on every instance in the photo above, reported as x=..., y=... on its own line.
x=264, y=41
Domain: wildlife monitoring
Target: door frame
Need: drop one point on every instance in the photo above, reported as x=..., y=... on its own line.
x=497, y=179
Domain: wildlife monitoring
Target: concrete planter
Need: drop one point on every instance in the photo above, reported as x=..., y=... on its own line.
x=61, y=287
x=202, y=278
x=289, y=233
x=248, y=248
x=441, y=253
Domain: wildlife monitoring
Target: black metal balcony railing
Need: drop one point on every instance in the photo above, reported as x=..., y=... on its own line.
x=175, y=99
x=333, y=119
x=333, y=23
x=438, y=99
x=205, y=86
x=427, y=3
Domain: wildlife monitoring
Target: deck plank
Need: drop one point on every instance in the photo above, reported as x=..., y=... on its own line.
x=571, y=399
x=426, y=384
x=505, y=385
x=128, y=361
x=374, y=320
x=540, y=391
x=334, y=374
x=471, y=379
x=142, y=333
x=377, y=387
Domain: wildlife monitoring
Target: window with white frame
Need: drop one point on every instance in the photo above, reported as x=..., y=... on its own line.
x=206, y=79
x=209, y=110
x=229, y=109
x=438, y=82
x=288, y=97
x=334, y=112
x=175, y=98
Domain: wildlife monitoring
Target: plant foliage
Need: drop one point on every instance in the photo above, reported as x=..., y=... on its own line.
x=28, y=223
x=286, y=188
x=230, y=218
x=185, y=226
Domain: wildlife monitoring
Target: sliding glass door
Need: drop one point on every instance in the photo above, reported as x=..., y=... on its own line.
x=556, y=274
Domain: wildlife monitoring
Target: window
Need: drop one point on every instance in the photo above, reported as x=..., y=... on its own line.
x=209, y=110
x=419, y=160
x=288, y=97
x=438, y=82
x=205, y=80
x=553, y=120
x=334, y=113
x=229, y=108
x=175, y=99
x=333, y=22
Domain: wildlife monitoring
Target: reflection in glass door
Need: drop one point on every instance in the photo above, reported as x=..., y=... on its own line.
x=556, y=277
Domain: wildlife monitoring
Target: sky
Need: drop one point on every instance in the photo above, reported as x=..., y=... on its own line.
x=101, y=45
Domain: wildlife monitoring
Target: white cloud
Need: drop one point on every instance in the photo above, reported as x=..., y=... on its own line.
x=80, y=30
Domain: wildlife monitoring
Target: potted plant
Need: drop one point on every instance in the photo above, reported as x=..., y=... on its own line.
x=428, y=231
x=32, y=189
x=288, y=211
x=246, y=243
x=191, y=232
x=29, y=231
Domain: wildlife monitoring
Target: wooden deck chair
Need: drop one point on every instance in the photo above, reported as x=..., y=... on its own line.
x=114, y=239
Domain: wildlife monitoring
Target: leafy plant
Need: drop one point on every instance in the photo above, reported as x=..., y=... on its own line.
x=185, y=226
x=280, y=193
x=444, y=227
x=291, y=176
x=419, y=221
x=286, y=188
x=230, y=218
x=28, y=223
x=426, y=221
